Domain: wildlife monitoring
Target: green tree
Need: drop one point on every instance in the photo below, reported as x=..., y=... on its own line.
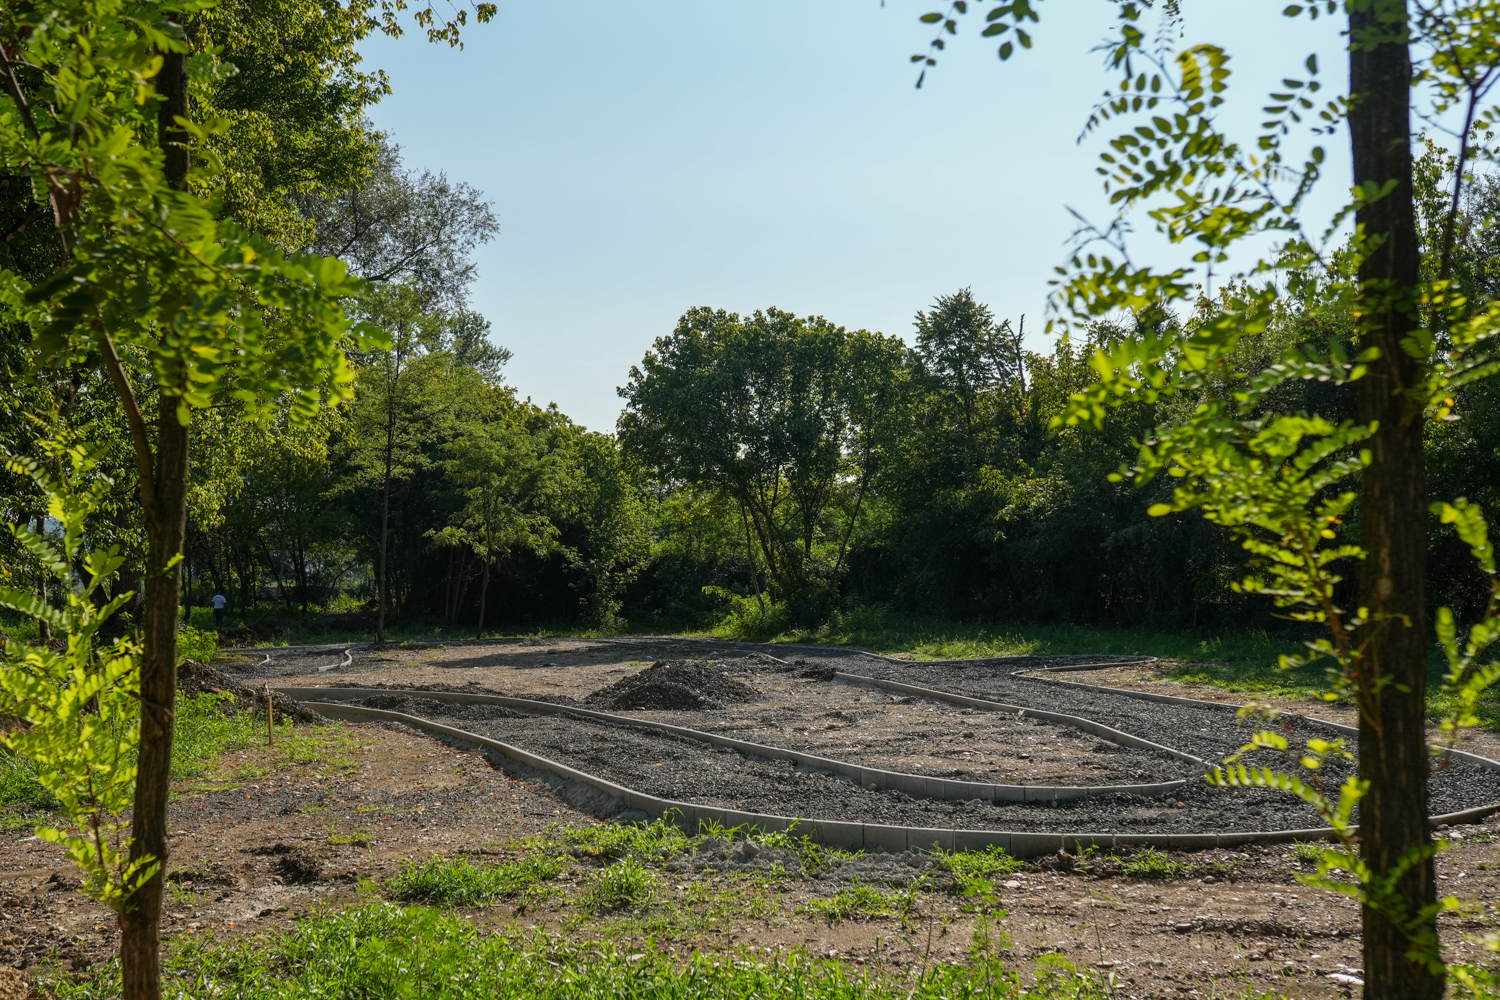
x=181, y=308
x=1280, y=480
x=757, y=410
x=510, y=482
x=401, y=403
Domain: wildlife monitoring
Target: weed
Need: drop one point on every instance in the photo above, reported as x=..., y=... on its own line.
x=1308, y=853
x=991, y=861
x=860, y=900
x=659, y=841
x=1152, y=863
x=624, y=883
x=813, y=857
x=460, y=882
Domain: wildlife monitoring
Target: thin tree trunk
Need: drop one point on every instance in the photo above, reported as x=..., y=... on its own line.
x=385, y=520
x=1392, y=677
x=448, y=587
x=484, y=590
x=750, y=554
x=275, y=572
x=43, y=626
x=139, y=923
x=164, y=496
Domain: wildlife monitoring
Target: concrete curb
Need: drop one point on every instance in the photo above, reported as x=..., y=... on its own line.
x=861, y=836
x=1168, y=699
x=915, y=785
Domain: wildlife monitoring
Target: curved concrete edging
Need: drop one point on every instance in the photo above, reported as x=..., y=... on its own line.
x=1077, y=722
x=1169, y=699
x=861, y=836
x=915, y=785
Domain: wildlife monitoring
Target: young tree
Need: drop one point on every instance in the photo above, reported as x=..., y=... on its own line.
x=1274, y=477
x=401, y=402
x=182, y=309
x=511, y=485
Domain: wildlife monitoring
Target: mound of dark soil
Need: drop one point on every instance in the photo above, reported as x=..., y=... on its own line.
x=194, y=678
x=675, y=684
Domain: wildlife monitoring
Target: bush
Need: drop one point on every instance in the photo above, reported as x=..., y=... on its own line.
x=196, y=644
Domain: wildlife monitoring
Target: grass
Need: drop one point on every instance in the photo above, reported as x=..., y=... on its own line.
x=626, y=883
x=1236, y=660
x=860, y=899
x=657, y=841
x=460, y=882
x=20, y=786
x=203, y=733
x=385, y=950
x=1152, y=863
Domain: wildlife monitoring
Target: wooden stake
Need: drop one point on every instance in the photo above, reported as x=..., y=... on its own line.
x=270, y=715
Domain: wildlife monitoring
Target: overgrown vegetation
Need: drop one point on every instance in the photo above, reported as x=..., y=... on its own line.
x=390, y=951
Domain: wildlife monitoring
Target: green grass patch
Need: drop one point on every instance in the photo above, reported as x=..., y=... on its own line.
x=460, y=882
x=627, y=883
x=1152, y=863
x=207, y=727
x=658, y=841
x=861, y=900
x=20, y=786
x=879, y=630
x=384, y=950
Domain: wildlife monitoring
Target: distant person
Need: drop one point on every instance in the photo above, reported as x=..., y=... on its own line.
x=219, y=600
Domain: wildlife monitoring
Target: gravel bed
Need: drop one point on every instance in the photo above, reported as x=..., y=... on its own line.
x=1207, y=732
x=685, y=770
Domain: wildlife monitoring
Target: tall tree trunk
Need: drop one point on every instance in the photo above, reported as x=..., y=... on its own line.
x=1393, y=506
x=484, y=589
x=165, y=500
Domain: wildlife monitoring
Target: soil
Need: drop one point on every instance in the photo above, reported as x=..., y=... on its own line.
x=195, y=678
x=242, y=855
x=675, y=684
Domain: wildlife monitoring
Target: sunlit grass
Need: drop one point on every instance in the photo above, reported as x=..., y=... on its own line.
x=384, y=950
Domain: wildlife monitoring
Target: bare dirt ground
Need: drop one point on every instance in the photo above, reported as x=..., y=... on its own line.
x=279, y=832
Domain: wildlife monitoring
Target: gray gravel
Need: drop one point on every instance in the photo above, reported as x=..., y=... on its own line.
x=685, y=770
x=1210, y=733
x=681, y=769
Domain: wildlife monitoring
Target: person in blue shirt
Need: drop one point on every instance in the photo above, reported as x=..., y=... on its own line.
x=219, y=600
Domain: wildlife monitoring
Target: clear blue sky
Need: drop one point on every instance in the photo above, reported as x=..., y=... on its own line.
x=646, y=157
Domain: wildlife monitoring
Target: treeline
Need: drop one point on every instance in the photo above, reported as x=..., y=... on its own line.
x=768, y=471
